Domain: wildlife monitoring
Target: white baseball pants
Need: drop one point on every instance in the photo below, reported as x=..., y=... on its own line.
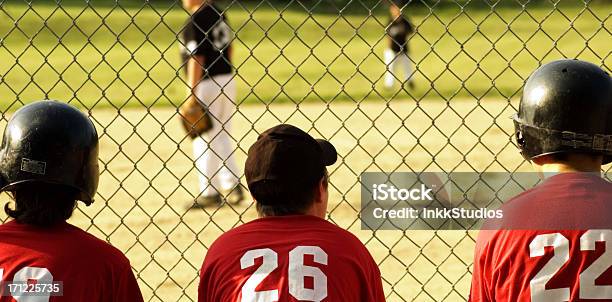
x=213, y=150
x=397, y=63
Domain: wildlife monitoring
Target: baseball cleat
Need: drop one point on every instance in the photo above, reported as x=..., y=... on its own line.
x=233, y=196
x=205, y=202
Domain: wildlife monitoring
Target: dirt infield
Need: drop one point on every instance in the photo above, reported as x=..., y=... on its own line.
x=148, y=178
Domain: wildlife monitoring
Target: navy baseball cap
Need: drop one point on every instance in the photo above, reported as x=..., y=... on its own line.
x=285, y=155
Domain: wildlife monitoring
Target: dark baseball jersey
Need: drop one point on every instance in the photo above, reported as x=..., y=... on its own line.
x=398, y=30
x=549, y=265
x=289, y=259
x=207, y=33
x=89, y=269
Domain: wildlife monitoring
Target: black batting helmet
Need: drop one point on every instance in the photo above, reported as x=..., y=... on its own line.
x=50, y=142
x=566, y=107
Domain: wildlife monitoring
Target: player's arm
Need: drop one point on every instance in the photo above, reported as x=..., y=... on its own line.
x=479, y=291
x=195, y=71
x=195, y=64
x=377, y=294
x=194, y=116
x=208, y=276
x=203, y=291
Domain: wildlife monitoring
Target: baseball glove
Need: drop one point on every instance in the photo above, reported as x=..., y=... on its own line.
x=195, y=118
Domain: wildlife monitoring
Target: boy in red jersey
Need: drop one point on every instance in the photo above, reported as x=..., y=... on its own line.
x=291, y=253
x=555, y=240
x=48, y=161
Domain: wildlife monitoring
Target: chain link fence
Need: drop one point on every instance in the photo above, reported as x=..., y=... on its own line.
x=317, y=64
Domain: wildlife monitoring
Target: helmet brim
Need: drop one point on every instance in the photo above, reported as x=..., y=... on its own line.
x=535, y=142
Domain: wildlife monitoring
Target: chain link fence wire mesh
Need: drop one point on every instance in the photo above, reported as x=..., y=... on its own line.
x=318, y=64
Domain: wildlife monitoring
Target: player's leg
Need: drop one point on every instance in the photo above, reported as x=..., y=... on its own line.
x=218, y=171
x=406, y=67
x=228, y=176
x=207, y=162
x=202, y=155
x=390, y=64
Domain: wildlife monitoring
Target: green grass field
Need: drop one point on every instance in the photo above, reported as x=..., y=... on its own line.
x=104, y=54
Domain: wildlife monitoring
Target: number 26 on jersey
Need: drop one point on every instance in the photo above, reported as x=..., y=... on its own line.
x=296, y=274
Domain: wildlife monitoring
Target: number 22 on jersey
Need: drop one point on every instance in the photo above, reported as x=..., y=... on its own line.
x=296, y=274
x=560, y=245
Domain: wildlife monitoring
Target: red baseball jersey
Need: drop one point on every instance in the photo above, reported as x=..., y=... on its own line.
x=287, y=259
x=87, y=268
x=568, y=259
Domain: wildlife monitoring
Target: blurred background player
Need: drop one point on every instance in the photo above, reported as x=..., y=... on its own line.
x=396, y=56
x=48, y=161
x=555, y=240
x=291, y=253
x=206, y=49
